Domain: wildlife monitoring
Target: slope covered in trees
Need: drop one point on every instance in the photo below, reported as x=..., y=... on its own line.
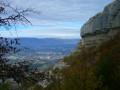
x=94, y=68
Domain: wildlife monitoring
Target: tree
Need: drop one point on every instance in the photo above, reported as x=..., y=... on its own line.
x=17, y=17
x=21, y=71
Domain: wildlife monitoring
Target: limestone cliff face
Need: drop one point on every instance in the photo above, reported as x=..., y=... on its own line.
x=100, y=27
x=109, y=18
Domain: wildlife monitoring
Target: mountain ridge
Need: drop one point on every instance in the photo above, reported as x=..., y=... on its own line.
x=45, y=42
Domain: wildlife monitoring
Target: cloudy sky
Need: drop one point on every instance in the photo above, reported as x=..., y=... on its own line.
x=58, y=18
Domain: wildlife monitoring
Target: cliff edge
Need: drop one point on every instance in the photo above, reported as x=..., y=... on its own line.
x=100, y=27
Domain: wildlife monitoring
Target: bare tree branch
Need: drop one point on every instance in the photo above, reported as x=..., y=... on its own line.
x=19, y=16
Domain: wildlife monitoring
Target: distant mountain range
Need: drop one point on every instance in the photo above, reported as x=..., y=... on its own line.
x=47, y=42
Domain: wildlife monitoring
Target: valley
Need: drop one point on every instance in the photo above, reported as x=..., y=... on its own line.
x=43, y=57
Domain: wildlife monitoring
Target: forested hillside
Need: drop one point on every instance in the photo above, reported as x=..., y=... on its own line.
x=94, y=68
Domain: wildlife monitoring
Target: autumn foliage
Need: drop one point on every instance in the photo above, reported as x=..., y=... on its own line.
x=94, y=68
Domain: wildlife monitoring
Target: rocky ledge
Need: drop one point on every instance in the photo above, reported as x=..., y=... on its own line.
x=101, y=27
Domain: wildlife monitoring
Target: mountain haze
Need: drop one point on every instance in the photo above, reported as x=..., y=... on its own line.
x=47, y=42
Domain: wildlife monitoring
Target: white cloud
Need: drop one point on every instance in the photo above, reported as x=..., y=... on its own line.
x=52, y=32
x=60, y=11
x=54, y=14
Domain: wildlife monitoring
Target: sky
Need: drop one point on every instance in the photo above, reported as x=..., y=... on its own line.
x=57, y=18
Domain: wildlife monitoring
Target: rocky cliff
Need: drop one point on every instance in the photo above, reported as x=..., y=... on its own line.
x=101, y=27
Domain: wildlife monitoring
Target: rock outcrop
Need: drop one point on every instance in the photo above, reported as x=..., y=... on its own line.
x=101, y=27
x=103, y=21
